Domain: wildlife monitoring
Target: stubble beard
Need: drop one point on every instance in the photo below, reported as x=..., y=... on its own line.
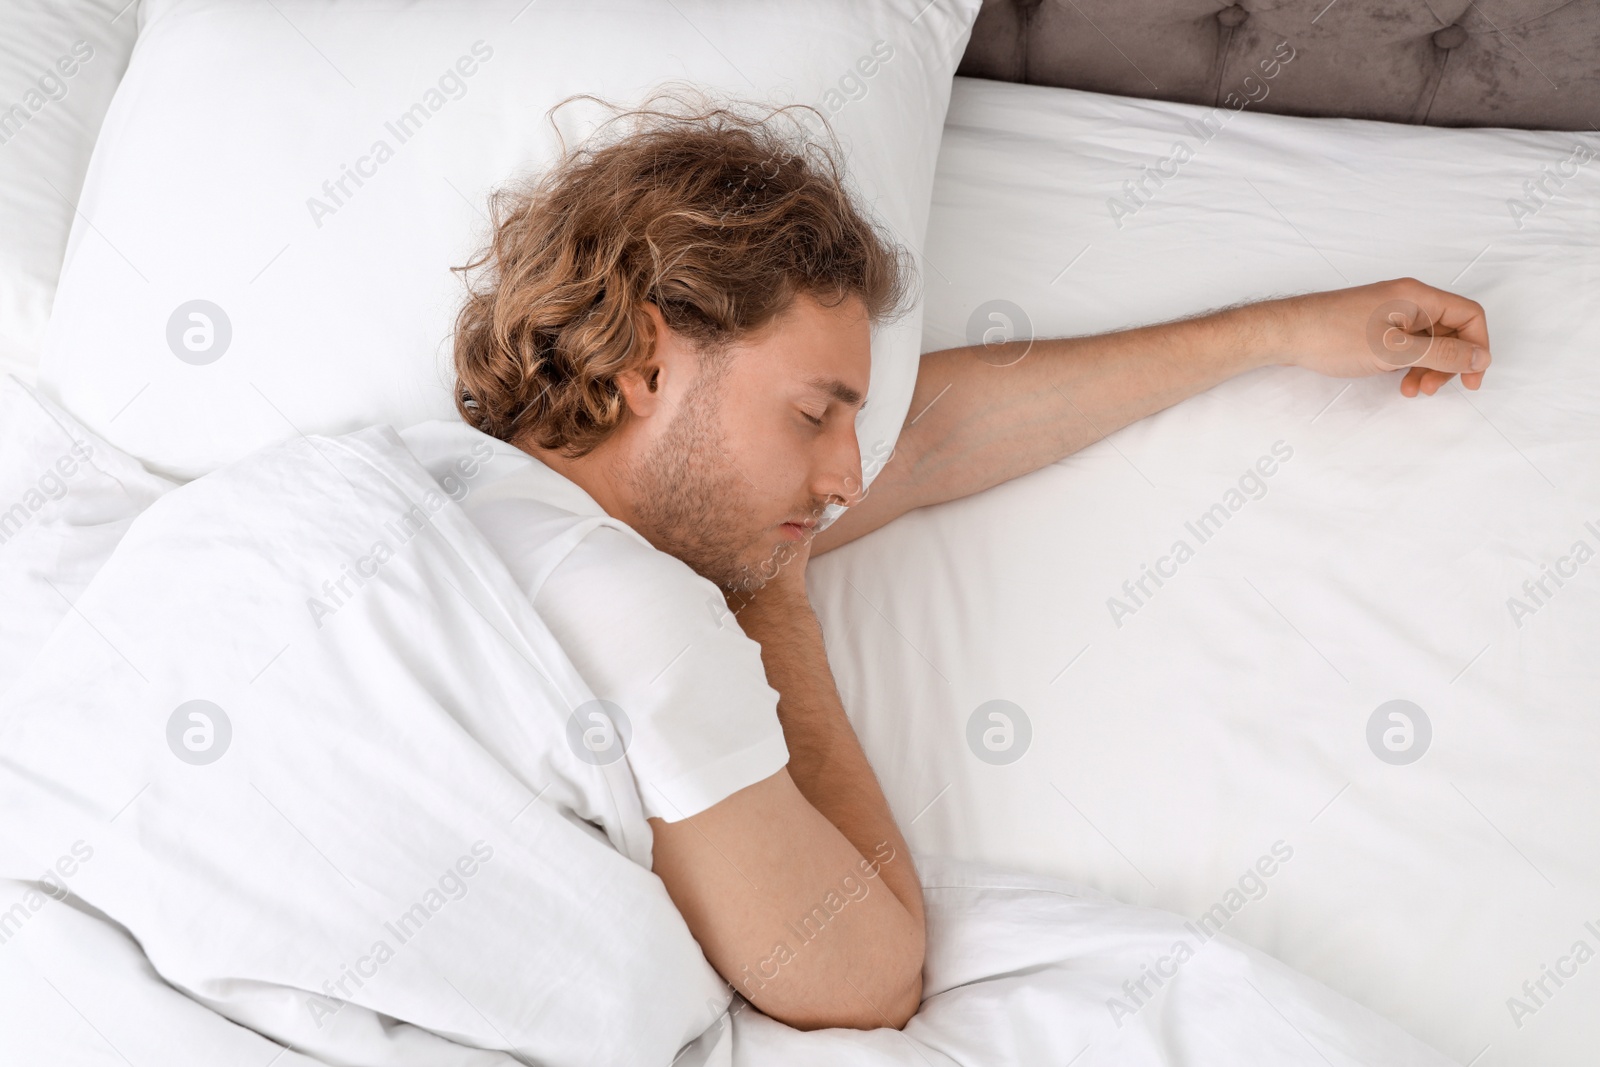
x=690, y=499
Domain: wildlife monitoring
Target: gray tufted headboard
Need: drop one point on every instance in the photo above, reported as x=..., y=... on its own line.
x=1528, y=64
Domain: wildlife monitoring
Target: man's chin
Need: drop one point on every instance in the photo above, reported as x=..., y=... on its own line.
x=763, y=557
x=759, y=574
x=753, y=573
x=743, y=575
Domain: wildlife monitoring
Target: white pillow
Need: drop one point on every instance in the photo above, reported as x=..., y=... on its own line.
x=59, y=64
x=327, y=309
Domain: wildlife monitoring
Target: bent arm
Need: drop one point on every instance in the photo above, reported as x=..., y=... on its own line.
x=800, y=888
x=826, y=760
x=790, y=913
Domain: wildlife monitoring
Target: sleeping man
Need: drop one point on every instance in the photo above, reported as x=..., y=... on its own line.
x=673, y=327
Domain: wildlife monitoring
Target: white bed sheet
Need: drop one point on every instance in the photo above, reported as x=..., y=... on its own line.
x=1230, y=711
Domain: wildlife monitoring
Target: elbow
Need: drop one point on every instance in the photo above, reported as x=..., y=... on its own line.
x=905, y=997
x=901, y=995
x=901, y=1010
x=876, y=984
x=894, y=1006
x=860, y=1008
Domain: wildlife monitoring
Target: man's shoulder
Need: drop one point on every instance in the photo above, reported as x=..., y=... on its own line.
x=614, y=561
x=558, y=542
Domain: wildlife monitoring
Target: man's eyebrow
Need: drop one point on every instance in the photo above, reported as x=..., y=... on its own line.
x=838, y=390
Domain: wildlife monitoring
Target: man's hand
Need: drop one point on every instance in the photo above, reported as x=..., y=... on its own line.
x=1374, y=329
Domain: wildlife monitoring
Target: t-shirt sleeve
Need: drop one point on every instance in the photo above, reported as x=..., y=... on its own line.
x=657, y=640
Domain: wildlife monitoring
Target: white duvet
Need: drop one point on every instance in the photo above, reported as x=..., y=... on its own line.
x=259, y=809
x=304, y=738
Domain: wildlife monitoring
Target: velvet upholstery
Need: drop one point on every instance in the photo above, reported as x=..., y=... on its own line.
x=1525, y=64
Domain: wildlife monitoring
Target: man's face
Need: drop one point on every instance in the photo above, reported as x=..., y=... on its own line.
x=730, y=455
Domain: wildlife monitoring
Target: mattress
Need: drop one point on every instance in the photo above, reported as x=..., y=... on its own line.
x=1432, y=556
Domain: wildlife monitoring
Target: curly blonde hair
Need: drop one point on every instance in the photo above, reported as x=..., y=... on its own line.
x=707, y=210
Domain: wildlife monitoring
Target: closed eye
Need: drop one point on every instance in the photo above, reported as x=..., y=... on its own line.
x=812, y=419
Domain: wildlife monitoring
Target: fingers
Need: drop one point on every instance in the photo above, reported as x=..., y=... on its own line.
x=1436, y=334
x=1422, y=380
x=1409, y=344
x=1427, y=381
x=1453, y=355
x=1454, y=314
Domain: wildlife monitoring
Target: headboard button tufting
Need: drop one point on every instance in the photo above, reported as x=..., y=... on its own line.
x=1393, y=69
x=1232, y=16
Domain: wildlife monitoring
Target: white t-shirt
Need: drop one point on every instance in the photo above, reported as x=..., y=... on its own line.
x=645, y=631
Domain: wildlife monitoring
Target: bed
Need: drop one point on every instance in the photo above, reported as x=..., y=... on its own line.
x=1353, y=730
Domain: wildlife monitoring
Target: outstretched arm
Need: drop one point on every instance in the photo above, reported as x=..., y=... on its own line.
x=983, y=415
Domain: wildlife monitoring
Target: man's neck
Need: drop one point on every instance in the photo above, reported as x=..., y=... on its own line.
x=594, y=473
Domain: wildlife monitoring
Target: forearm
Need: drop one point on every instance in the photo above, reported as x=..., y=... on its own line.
x=825, y=757
x=981, y=415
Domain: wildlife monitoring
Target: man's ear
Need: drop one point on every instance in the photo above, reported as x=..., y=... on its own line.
x=640, y=385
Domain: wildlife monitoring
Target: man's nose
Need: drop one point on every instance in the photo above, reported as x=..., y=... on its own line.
x=839, y=471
